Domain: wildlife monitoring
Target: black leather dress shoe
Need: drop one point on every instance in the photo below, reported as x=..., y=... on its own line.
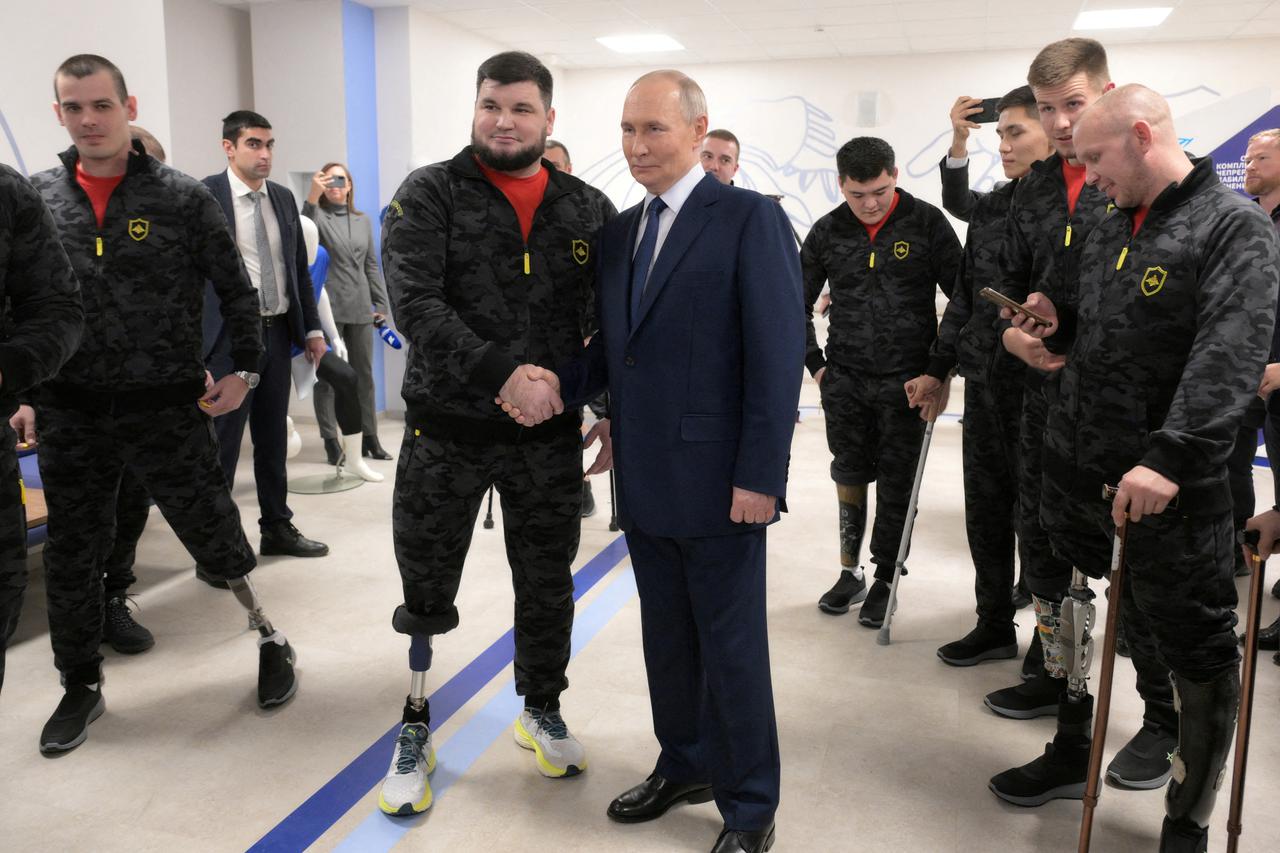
x=1268, y=637
x=285, y=539
x=652, y=797
x=744, y=841
x=372, y=449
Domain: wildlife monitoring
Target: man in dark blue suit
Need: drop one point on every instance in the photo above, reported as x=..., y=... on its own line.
x=701, y=348
x=263, y=218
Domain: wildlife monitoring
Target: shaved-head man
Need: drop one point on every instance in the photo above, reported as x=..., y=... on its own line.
x=1165, y=344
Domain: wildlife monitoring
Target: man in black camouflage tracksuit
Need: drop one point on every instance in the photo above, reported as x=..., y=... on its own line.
x=1166, y=341
x=885, y=254
x=968, y=340
x=490, y=264
x=40, y=301
x=142, y=239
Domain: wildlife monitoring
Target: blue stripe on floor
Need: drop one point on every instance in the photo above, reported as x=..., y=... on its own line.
x=336, y=797
x=380, y=832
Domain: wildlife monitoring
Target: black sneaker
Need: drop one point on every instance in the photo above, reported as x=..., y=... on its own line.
x=1143, y=763
x=121, y=632
x=1033, y=661
x=1268, y=637
x=1026, y=700
x=276, y=680
x=873, y=608
x=849, y=590
x=69, y=725
x=588, y=500
x=984, y=642
x=1058, y=774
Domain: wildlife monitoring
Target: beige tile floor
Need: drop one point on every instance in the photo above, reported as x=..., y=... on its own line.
x=884, y=749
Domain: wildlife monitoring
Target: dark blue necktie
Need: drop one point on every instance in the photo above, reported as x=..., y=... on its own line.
x=644, y=255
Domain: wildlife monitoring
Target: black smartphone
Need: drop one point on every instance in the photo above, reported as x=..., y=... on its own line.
x=1003, y=301
x=988, y=114
x=337, y=181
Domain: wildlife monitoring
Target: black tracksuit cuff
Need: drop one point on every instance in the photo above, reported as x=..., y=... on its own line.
x=815, y=362
x=1167, y=464
x=246, y=360
x=940, y=367
x=494, y=370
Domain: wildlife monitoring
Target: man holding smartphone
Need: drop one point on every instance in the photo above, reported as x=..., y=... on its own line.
x=968, y=341
x=885, y=254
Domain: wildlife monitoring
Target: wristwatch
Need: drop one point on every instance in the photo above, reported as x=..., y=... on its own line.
x=250, y=379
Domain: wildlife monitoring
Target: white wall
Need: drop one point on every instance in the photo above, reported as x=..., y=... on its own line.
x=208, y=49
x=792, y=115
x=39, y=36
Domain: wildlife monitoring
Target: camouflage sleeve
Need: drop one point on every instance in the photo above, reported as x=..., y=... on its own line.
x=944, y=353
x=815, y=278
x=1238, y=279
x=415, y=241
x=44, y=296
x=945, y=256
x=957, y=198
x=1013, y=268
x=218, y=258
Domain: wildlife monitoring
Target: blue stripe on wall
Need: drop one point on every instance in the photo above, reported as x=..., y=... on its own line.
x=359, y=74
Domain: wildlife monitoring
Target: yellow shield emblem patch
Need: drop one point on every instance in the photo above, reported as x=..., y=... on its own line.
x=581, y=251
x=139, y=229
x=1153, y=280
x=901, y=249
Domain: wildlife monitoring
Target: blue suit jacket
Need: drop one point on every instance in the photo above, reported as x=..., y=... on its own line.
x=302, y=316
x=704, y=382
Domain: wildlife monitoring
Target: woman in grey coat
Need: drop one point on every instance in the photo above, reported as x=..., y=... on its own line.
x=357, y=295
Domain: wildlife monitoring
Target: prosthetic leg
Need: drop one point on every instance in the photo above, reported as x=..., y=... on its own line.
x=1206, y=719
x=405, y=789
x=851, y=588
x=276, y=679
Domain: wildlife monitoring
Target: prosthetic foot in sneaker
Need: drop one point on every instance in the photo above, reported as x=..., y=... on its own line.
x=1058, y=774
x=1035, y=697
x=69, y=725
x=985, y=642
x=848, y=591
x=558, y=753
x=277, y=682
x=121, y=631
x=1143, y=763
x=406, y=789
x=875, y=605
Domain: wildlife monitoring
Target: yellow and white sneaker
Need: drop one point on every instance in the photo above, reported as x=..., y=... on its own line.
x=558, y=753
x=405, y=789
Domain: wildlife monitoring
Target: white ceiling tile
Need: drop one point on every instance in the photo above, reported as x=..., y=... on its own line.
x=797, y=51
x=874, y=47
x=940, y=9
x=510, y=16
x=572, y=14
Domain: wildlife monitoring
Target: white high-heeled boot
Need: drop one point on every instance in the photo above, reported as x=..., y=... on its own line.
x=352, y=460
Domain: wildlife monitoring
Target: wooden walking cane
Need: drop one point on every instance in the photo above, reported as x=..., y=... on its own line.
x=1247, y=676
x=1103, y=703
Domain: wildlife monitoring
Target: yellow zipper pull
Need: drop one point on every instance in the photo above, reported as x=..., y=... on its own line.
x=526, y=263
x=1124, y=253
x=1068, y=240
x=99, y=242
x=872, y=265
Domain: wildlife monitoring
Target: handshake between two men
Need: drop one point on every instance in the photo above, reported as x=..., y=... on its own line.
x=531, y=395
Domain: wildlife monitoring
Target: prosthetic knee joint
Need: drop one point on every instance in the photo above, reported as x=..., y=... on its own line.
x=1066, y=632
x=420, y=630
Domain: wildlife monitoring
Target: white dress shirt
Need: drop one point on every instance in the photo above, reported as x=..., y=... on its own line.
x=247, y=240
x=674, y=198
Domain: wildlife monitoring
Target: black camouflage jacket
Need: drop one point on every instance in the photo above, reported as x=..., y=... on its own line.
x=39, y=295
x=1167, y=342
x=474, y=300
x=967, y=336
x=142, y=278
x=883, y=314
x=1042, y=246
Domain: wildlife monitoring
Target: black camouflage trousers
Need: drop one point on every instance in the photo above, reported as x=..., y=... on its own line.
x=1047, y=574
x=83, y=454
x=13, y=540
x=440, y=484
x=133, y=505
x=874, y=436
x=992, y=413
x=1179, y=591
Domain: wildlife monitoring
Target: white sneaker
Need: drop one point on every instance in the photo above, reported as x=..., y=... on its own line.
x=405, y=789
x=558, y=752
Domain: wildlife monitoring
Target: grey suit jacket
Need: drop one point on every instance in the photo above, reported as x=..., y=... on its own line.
x=354, y=283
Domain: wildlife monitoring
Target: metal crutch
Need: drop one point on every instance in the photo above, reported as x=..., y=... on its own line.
x=1247, y=676
x=1102, y=704
x=900, y=568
